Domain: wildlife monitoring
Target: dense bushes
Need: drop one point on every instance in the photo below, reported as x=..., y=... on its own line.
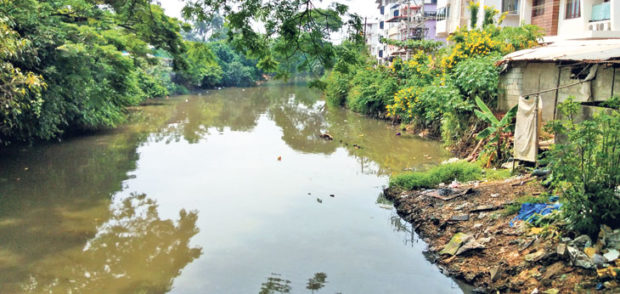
x=445, y=173
x=76, y=65
x=586, y=166
x=436, y=87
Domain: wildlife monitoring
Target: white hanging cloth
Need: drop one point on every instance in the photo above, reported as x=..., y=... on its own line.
x=527, y=128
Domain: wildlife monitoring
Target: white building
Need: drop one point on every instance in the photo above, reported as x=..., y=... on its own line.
x=561, y=19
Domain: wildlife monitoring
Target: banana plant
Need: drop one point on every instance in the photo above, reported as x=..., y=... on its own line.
x=496, y=127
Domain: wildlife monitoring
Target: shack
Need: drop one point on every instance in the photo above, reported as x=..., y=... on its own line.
x=585, y=69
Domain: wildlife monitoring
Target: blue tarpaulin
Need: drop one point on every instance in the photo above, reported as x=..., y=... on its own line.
x=528, y=211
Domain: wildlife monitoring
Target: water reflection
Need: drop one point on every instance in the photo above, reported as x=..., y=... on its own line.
x=133, y=252
x=317, y=282
x=302, y=117
x=275, y=284
x=68, y=222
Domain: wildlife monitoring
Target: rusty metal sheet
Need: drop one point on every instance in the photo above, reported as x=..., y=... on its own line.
x=592, y=51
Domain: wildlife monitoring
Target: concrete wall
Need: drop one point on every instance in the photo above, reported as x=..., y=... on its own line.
x=524, y=78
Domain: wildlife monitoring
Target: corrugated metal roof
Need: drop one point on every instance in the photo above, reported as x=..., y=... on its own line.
x=590, y=51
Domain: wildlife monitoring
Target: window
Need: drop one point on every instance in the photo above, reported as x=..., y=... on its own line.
x=395, y=13
x=443, y=13
x=573, y=9
x=381, y=53
x=510, y=6
x=382, y=9
x=538, y=8
x=381, y=25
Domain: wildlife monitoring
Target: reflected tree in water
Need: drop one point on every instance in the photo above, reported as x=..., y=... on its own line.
x=135, y=251
x=317, y=282
x=275, y=284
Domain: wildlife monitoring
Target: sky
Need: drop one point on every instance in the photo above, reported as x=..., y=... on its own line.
x=365, y=8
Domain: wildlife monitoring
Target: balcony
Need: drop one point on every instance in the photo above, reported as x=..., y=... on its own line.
x=600, y=20
x=600, y=12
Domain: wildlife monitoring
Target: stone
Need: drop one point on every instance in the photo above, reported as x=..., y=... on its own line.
x=471, y=244
x=589, y=251
x=460, y=207
x=525, y=244
x=462, y=217
x=536, y=256
x=495, y=273
x=611, y=255
x=561, y=250
x=579, y=258
x=581, y=242
x=455, y=243
x=478, y=225
x=551, y=291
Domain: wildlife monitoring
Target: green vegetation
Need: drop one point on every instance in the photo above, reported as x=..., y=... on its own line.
x=436, y=88
x=74, y=65
x=585, y=165
x=497, y=132
x=462, y=171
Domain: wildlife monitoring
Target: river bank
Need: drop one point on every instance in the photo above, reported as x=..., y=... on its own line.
x=497, y=257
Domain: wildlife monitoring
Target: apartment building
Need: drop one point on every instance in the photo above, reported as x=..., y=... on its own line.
x=372, y=37
x=561, y=19
x=405, y=20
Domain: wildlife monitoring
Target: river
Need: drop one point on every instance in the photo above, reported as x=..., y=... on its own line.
x=226, y=191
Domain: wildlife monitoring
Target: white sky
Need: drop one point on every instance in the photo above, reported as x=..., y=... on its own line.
x=365, y=8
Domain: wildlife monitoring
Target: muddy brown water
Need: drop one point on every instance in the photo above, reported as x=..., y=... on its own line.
x=190, y=197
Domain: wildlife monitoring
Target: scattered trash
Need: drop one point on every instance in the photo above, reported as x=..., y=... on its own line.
x=495, y=273
x=447, y=194
x=279, y=158
x=455, y=243
x=471, y=244
x=455, y=184
x=581, y=242
x=540, y=172
x=528, y=211
x=486, y=208
x=579, y=258
x=326, y=136
x=398, y=134
x=554, y=198
x=536, y=256
x=332, y=195
x=463, y=217
x=611, y=255
x=589, y=251
x=319, y=200
x=494, y=195
x=451, y=160
x=561, y=250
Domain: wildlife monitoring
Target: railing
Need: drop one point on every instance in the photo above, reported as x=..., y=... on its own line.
x=600, y=12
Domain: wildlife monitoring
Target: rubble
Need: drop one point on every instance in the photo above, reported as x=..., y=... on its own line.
x=470, y=237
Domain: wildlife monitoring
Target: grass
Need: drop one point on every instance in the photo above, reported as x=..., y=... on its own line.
x=462, y=171
x=497, y=174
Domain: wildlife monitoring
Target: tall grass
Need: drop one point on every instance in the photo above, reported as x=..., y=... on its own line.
x=462, y=171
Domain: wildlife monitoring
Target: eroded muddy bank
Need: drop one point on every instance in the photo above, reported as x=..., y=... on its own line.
x=497, y=256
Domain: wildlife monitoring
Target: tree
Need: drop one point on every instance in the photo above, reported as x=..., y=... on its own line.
x=298, y=26
x=496, y=129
